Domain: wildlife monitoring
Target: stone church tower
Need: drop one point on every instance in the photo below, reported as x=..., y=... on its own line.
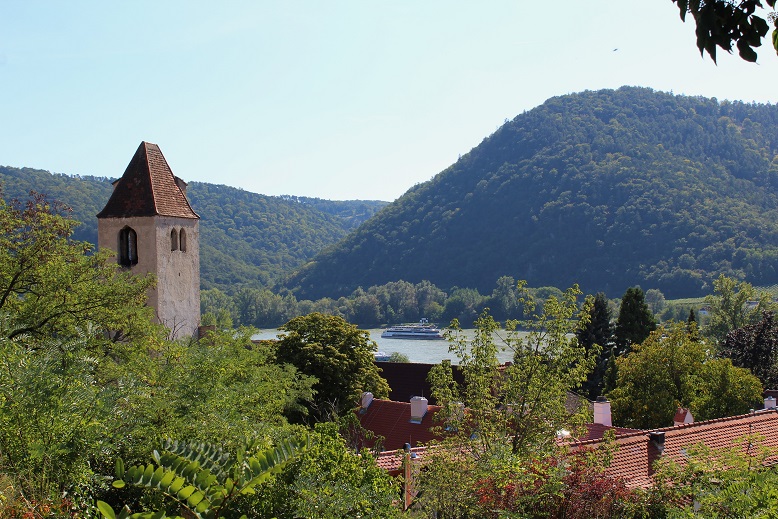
x=149, y=223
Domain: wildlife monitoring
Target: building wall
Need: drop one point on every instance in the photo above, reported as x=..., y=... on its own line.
x=176, y=298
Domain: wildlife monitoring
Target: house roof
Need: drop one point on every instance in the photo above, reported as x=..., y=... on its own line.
x=637, y=452
x=392, y=420
x=147, y=188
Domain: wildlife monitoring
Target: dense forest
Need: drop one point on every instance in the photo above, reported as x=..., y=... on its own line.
x=605, y=188
x=247, y=239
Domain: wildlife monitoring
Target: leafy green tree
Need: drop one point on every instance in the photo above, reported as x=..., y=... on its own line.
x=516, y=408
x=635, y=321
x=68, y=318
x=755, y=346
x=598, y=331
x=329, y=480
x=734, y=305
x=396, y=356
x=671, y=369
x=52, y=286
x=54, y=415
x=224, y=386
x=733, y=481
x=655, y=300
x=722, y=23
x=338, y=354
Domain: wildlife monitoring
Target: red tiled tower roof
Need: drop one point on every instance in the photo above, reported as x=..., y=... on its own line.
x=147, y=188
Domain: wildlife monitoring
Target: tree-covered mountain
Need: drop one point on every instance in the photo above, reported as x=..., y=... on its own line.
x=607, y=189
x=246, y=239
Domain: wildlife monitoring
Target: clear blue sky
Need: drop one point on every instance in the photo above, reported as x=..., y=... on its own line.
x=341, y=100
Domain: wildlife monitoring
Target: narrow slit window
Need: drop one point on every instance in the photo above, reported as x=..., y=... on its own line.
x=173, y=240
x=182, y=240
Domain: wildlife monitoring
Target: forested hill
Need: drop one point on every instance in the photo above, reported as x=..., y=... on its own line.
x=608, y=189
x=246, y=239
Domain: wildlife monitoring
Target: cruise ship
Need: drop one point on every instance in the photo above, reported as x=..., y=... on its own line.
x=421, y=330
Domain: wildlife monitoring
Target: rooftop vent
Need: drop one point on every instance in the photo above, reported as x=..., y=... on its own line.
x=769, y=402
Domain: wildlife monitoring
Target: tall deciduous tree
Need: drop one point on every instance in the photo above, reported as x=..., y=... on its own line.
x=733, y=305
x=519, y=407
x=671, y=369
x=52, y=285
x=597, y=331
x=338, y=354
x=635, y=321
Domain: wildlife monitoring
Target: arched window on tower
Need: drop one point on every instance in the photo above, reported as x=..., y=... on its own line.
x=182, y=240
x=173, y=240
x=128, y=247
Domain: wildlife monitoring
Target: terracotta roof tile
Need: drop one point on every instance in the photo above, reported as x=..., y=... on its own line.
x=636, y=453
x=392, y=420
x=147, y=188
x=391, y=461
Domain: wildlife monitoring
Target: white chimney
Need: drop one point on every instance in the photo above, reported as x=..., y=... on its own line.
x=418, y=408
x=769, y=402
x=682, y=417
x=602, y=411
x=367, y=399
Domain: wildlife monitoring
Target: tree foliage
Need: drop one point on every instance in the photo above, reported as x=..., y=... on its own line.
x=654, y=189
x=755, y=347
x=635, y=321
x=519, y=407
x=201, y=479
x=722, y=23
x=329, y=480
x=597, y=332
x=734, y=305
x=338, y=354
x=53, y=285
x=672, y=369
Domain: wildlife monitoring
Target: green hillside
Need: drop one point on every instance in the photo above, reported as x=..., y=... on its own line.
x=247, y=239
x=608, y=189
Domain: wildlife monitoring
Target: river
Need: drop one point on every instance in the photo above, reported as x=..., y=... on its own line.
x=421, y=351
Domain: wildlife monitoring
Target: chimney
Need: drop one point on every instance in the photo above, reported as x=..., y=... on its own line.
x=769, y=402
x=366, y=400
x=658, y=438
x=602, y=411
x=418, y=408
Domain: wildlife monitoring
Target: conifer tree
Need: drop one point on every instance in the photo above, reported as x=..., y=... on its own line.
x=598, y=331
x=635, y=321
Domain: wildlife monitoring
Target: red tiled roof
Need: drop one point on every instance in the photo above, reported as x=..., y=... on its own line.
x=392, y=420
x=391, y=461
x=147, y=188
x=636, y=453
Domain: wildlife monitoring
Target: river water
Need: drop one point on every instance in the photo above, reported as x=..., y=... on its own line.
x=422, y=351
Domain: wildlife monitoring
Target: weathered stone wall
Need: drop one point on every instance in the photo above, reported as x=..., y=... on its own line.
x=176, y=298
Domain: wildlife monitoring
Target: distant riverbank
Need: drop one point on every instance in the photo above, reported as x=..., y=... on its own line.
x=421, y=351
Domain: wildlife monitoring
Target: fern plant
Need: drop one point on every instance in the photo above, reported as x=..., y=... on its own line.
x=202, y=478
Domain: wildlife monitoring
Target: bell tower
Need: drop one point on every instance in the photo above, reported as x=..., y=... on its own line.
x=150, y=225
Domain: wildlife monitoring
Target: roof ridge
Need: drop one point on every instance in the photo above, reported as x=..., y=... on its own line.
x=645, y=432
x=145, y=145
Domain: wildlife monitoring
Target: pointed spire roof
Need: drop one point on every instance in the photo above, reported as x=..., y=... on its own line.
x=147, y=188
